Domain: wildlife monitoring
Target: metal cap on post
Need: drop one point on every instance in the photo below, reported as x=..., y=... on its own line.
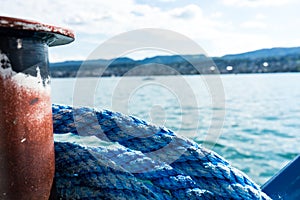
x=52, y=35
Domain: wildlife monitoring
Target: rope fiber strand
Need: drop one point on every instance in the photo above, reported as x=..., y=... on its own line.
x=144, y=161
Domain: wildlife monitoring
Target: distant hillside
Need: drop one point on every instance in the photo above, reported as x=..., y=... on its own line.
x=259, y=61
x=264, y=53
x=172, y=59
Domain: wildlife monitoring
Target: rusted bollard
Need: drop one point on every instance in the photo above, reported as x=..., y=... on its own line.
x=26, y=137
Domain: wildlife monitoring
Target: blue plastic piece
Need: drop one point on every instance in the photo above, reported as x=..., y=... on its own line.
x=286, y=183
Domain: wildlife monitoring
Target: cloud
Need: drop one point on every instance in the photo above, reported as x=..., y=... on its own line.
x=167, y=1
x=187, y=12
x=75, y=20
x=216, y=14
x=185, y=15
x=222, y=32
x=260, y=16
x=254, y=25
x=136, y=13
x=103, y=19
x=239, y=42
x=257, y=22
x=256, y=3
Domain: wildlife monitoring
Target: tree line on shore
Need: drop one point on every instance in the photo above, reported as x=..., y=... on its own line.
x=260, y=61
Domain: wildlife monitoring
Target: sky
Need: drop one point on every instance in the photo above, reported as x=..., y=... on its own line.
x=220, y=27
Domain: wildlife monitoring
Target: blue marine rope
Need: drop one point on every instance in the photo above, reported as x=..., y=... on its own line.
x=145, y=162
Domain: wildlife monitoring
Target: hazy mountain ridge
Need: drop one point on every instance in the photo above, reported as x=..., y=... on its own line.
x=273, y=52
x=259, y=61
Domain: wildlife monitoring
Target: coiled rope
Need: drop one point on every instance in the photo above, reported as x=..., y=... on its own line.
x=144, y=162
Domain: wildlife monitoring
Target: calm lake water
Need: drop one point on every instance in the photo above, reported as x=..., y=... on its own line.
x=251, y=120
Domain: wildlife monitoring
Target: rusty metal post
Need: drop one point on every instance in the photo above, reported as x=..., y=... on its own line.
x=26, y=137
